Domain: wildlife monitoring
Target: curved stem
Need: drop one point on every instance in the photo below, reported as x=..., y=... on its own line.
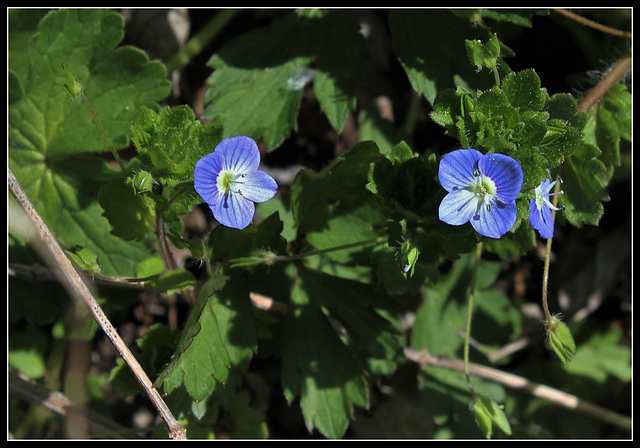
x=198, y=42
x=547, y=255
x=467, y=335
x=104, y=133
x=617, y=71
x=592, y=24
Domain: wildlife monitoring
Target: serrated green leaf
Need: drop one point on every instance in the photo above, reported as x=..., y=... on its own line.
x=45, y=126
x=171, y=141
x=157, y=343
x=318, y=367
x=608, y=122
x=584, y=192
x=602, y=356
x=421, y=37
x=200, y=362
x=258, y=78
x=313, y=195
x=127, y=213
x=524, y=91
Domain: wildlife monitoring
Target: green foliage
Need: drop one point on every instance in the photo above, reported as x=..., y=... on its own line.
x=349, y=264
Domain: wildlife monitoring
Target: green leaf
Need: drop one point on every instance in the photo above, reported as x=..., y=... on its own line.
x=171, y=141
x=313, y=195
x=85, y=259
x=602, y=356
x=258, y=78
x=608, y=122
x=46, y=127
x=583, y=189
x=318, y=366
x=249, y=423
x=524, y=91
x=430, y=45
x=156, y=345
x=200, y=362
x=172, y=281
x=127, y=212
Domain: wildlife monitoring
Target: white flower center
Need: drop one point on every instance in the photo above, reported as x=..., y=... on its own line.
x=229, y=181
x=484, y=189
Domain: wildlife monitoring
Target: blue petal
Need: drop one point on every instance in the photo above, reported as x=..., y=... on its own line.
x=541, y=220
x=496, y=221
x=506, y=174
x=258, y=186
x=240, y=154
x=233, y=211
x=205, y=175
x=458, y=207
x=457, y=167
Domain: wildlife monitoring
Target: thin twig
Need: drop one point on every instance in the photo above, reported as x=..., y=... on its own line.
x=592, y=24
x=77, y=288
x=60, y=404
x=424, y=358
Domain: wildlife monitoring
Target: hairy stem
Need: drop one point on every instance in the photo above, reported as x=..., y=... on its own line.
x=467, y=335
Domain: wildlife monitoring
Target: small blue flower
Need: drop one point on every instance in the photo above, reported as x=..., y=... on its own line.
x=481, y=189
x=540, y=216
x=229, y=180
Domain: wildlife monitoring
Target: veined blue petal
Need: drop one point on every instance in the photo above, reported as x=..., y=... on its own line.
x=240, y=154
x=229, y=181
x=541, y=219
x=456, y=169
x=205, y=175
x=481, y=190
x=458, y=207
x=257, y=186
x=496, y=220
x=233, y=211
x=506, y=174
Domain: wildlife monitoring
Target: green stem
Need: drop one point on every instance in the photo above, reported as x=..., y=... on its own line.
x=496, y=76
x=467, y=334
x=547, y=257
x=198, y=42
x=104, y=133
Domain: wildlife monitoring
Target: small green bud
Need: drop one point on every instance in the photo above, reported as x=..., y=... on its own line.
x=85, y=259
x=408, y=257
x=488, y=413
x=484, y=55
x=142, y=182
x=560, y=339
x=73, y=87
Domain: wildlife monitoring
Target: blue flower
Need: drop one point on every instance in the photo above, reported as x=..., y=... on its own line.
x=481, y=189
x=229, y=180
x=540, y=216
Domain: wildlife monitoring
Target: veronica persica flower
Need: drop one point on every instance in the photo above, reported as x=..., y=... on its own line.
x=229, y=181
x=540, y=217
x=482, y=189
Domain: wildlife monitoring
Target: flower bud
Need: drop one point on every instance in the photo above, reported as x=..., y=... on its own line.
x=560, y=339
x=408, y=257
